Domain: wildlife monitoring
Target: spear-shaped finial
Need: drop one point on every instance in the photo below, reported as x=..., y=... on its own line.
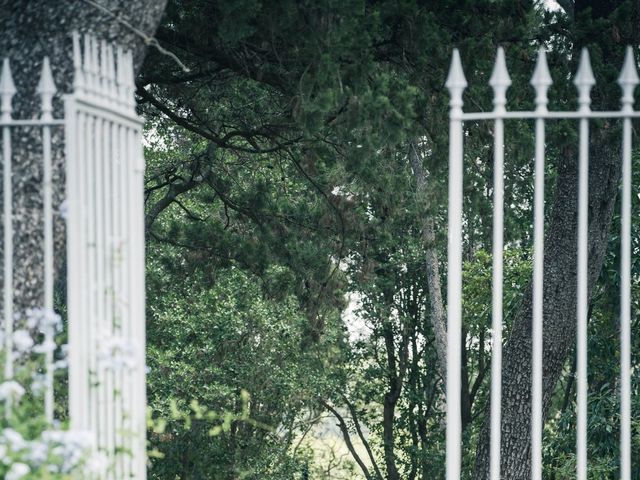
x=88, y=65
x=456, y=83
x=541, y=80
x=500, y=81
x=7, y=91
x=78, y=75
x=628, y=79
x=46, y=89
x=111, y=73
x=130, y=79
x=584, y=80
x=104, y=68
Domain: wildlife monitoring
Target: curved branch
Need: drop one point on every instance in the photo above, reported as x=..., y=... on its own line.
x=347, y=440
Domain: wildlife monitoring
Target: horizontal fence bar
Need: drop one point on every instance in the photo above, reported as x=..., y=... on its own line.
x=32, y=123
x=112, y=113
x=547, y=115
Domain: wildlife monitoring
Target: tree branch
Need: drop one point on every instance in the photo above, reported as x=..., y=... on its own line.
x=347, y=439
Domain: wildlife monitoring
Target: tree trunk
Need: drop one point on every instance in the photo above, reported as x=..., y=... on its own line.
x=438, y=314
x=559, y=308
x=29, y=30
x=391, y=397
x=560, y=284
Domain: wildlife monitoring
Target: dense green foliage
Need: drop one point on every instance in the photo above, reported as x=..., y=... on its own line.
x=279, y=180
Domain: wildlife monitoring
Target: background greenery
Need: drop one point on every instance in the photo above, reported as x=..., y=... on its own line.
x=278, y=182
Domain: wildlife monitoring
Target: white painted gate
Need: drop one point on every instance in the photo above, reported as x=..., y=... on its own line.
x=541, y=80
x=105, y=250
x=105, y=256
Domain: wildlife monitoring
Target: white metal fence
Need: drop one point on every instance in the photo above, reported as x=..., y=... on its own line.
x=105, y=249
x=541, y=81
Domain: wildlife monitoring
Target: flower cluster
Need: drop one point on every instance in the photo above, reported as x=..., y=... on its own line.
x=42, y=319
x=11, y=389
x=39, y=320
x=117, y=353
x=55, y=452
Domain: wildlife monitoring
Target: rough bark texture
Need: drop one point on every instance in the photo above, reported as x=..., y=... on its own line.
x=559, y=322
x=438, y=315
x=559, y=308
x=29, y=30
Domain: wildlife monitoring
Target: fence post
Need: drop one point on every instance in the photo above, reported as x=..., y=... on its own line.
x=456, y=83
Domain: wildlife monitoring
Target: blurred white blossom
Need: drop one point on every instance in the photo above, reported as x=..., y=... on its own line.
x=17, y=471
x=38, y=383
x=22, y=341
x=13, y=440
x=11, y=389
x=64, y=209
x=45, y=347
x=43, y=319
x=117, y=353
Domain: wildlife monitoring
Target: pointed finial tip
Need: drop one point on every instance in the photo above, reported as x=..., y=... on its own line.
x=46, y=83
x=629, y=73
x=7, y=87
x=584, y=76
x=456, y=78
x=541, y=76
x=500, y=75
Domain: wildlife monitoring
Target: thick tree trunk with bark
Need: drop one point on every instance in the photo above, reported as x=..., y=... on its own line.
x=560, y=256
x=30, y=30
x=437, y=315
x=559, y=307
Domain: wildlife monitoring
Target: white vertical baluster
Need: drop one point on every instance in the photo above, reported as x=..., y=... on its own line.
x=111, y=75
x=95, y=69
x=78, y=75
x=86, y=314
x=134, y=293
x=106, y=259
x=89, y=76
x=74, y=140
x=128, y=296
x=7, y=91
x=628, y=81
x=73, y=301
x=456, y=83
x=541, y=80
x=129, y=80
x=120, y=76
x=47, y=89
x=92, y=287
x=500, y=82
x=104, y=73
x=100, y=250
x=119, y=307
x=139, y=330
x=584, y=81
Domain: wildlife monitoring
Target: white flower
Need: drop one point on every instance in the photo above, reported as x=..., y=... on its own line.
x=38, y=382
x=17, y=471
x=22, y=341
x=43, y=319
x=45, y=347
x=38, y=452
x=70, y=446
x=14, y=439
x=96, y=464
x=117, y=353
x=11, y=389
x=60, y=364
x=64, y=209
